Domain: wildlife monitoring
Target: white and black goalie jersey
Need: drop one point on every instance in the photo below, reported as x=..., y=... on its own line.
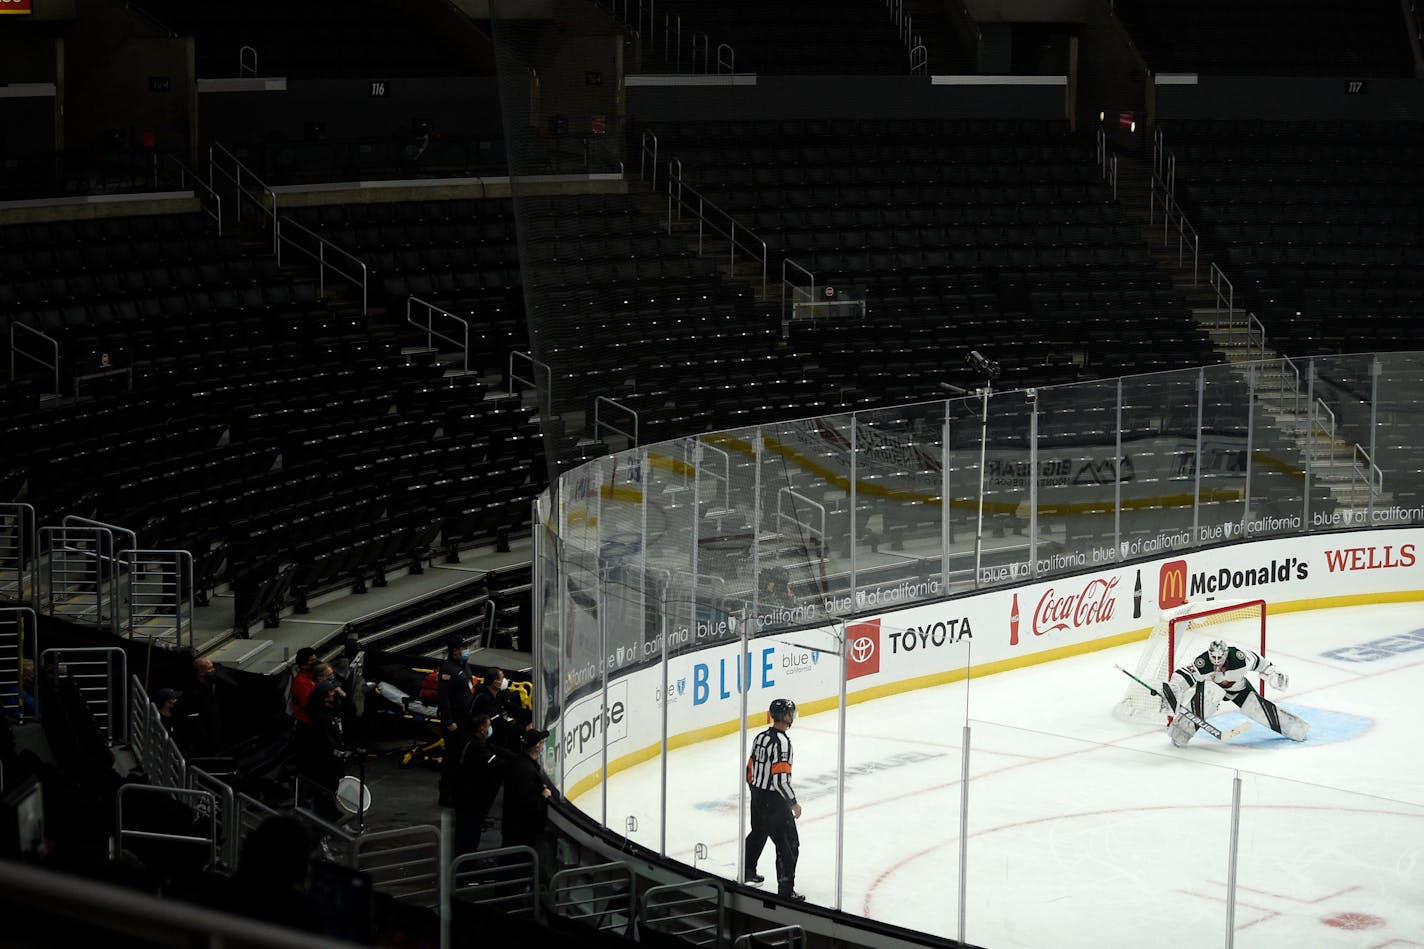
x=1230, y=675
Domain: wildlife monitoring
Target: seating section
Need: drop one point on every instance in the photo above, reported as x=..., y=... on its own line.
x=1317, y=224
x=283, y=439
x=459, y=254
x=992, y=235
x=790, y=37
x=1271, y=37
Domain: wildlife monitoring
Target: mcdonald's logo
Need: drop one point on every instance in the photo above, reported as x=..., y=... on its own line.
x=1172, y=584
x=16, y=6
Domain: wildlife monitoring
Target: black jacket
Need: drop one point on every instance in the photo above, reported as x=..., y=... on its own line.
x=453, y=692
x=479, y=779
x=525, y=807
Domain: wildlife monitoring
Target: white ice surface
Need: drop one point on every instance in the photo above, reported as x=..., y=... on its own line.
x=1085, y=831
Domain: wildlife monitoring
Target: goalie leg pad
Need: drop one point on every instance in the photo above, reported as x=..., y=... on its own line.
x=1277, y=719
x=1181, y=731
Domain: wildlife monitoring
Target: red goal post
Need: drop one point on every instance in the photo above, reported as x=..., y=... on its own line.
x=1181, y=634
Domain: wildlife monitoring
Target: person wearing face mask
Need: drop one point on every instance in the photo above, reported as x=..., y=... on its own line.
x=479, y=779
x=454, y=697
x=491, y=699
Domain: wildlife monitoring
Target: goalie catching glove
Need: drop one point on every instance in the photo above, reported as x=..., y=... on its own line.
x=1277, y=678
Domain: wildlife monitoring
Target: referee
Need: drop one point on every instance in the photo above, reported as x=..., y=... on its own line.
x=774, y=807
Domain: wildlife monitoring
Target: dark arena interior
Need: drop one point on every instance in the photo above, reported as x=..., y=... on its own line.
x=331, y=323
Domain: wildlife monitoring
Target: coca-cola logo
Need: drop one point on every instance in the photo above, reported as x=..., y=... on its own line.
x=1089, y=606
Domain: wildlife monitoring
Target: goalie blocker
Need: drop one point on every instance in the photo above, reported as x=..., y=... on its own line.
x=1226, y=668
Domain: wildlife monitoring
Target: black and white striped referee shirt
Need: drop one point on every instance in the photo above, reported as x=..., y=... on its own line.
x=769, y=764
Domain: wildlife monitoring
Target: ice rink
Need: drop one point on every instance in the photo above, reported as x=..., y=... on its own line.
x=1087, y=831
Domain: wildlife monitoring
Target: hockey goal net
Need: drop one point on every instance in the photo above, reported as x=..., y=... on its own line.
x=1183, y=633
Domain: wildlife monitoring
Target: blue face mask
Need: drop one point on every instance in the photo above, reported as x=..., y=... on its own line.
x=489, y=731
x=465, y=655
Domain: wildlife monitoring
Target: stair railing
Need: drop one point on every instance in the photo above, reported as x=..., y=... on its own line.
x=327, y=256
x=710, y=216
x=648, y=157
x=1224, y=291
x=1367, y=471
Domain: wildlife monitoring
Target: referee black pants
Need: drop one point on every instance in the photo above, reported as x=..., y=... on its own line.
x=772, y=820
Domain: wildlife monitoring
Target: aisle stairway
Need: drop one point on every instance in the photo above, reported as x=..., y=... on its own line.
x=1280, y=384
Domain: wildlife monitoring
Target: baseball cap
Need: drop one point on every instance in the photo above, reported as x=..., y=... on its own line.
x=164, y=695
x=531, y=737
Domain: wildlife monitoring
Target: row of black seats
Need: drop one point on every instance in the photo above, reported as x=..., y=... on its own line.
x=909, y=132
x=1048, y=210
x=55, y=235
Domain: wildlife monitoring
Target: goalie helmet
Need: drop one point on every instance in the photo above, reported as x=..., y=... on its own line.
x=782, y=710
x=1216, y=652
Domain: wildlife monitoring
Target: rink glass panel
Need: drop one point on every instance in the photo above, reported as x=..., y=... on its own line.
x=803, y=537
x=1111, y=841
x=1080, y=477
x=1399, y=436
x=1315, y=863
x=1275, y=490
x=1001, y=523
x=1159, y=434
x=1222, y=454
x=897, y=518
x=661, y=550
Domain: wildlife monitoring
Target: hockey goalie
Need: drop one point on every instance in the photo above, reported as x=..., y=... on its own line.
x=1221, y=672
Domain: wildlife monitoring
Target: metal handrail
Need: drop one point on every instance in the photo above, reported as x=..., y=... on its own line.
x=243, y=69
x=265, y=200
x=674, y=205
x=1330, y=431
x=204, y=804
x=532, y=383
x=1252, y=322
x=54, y=347
x=643, y=157
x=730, y=233
x=1370, y=473
x=783, y=493
x=1218, y=281
x=919, y=60
x=788, y=262
x=1295, y=390
x=706, y=52
x=182, y=598
x=24, y=552
x=363, y=281
x=432, y=333
x=184, y=173
x=599, y=424
x=791, y=936
x=74, y=520
x=730, y=60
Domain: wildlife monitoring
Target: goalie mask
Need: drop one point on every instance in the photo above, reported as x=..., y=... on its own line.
x=782, y=710
x=1216, y=652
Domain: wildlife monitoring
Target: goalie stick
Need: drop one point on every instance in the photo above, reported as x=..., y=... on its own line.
x=1188, y=714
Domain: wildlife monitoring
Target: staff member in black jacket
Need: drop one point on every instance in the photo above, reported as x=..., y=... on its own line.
x=480, y=778
x=774, y=807
x=455, y=699
x=526, y=794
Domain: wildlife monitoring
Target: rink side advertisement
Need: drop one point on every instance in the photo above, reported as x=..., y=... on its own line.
x=700, y=691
